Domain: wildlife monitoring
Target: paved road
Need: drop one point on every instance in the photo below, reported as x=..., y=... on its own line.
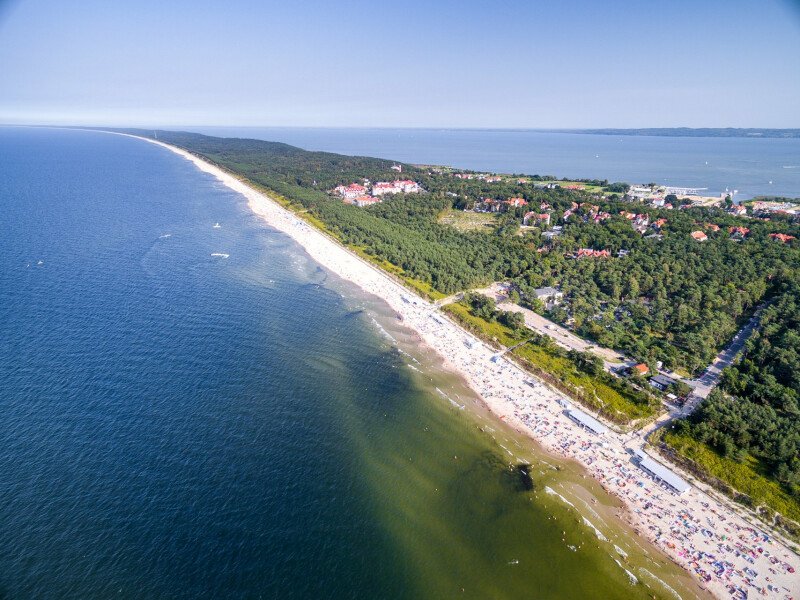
x=564, y=337
x=710, y=377
x=704, y=384
x=561, y=335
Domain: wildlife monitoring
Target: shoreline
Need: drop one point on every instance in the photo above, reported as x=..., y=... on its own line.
x=697, y=532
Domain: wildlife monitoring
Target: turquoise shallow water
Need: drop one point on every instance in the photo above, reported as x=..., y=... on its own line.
x=182, y=425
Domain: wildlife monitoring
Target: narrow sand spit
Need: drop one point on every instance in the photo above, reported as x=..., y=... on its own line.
x=728, y=555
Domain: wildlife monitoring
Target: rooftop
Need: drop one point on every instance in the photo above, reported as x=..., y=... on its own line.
x=587, y=421
x=662, y=473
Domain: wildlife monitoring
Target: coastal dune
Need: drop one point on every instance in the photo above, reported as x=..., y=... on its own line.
x=725, y=553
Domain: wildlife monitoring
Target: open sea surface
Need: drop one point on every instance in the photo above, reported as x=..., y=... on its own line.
x=191, y=411
x=752, y=166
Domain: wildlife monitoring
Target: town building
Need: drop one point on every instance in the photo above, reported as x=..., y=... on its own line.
x=549, y=296
x=350, y=191
x=405, y=186
x=699, y=236
x=740, y=210
x=362, y=201
x=661, y=382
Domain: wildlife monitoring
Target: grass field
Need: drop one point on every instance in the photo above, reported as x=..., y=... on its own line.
x=592, y=189
x=469, y=221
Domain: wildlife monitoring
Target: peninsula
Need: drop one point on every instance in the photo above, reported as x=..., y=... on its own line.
x=525, y=378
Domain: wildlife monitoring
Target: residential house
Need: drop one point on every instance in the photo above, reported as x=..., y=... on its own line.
x=699, y=236
x=782, y=237
x=641, y=369
x=488, y=205
x=553, y=233
x=738, y=232
x=591, y=253
x=515, y=202
x=641, y=222
x=661, y=382
x=740, y=210
x=549, y=296
x=533, y=218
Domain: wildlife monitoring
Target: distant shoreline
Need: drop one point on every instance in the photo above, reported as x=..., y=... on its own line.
x=715, y=132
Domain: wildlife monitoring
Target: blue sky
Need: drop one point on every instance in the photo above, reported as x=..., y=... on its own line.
x=405, y=64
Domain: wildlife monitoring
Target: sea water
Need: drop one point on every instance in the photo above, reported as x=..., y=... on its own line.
x=198, y=411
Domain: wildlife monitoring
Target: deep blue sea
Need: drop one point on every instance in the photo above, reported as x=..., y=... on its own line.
x=750, y=165
x=175, y=424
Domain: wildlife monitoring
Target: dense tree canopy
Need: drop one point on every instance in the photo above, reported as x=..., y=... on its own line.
x=759, y=414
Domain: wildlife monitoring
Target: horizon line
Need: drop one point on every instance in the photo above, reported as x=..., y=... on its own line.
x=405, y=127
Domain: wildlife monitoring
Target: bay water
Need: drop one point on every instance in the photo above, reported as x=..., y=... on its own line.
x=752, y=166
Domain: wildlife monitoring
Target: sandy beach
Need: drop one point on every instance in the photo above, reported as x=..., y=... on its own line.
x=727, y=555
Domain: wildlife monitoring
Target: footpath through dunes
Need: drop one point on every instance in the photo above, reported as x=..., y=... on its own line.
x=726, y=554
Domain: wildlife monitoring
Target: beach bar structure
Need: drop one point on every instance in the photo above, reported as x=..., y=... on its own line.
x=661, y=473
x=587, y=421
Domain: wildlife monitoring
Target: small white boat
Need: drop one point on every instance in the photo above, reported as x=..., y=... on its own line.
x=220, y=254
x=217, y=225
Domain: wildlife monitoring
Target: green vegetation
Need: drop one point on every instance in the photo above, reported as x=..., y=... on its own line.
x=576, y=373
x=745, y=476
x=747, y=433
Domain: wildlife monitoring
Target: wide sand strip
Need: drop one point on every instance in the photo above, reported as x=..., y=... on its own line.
x=701, y=534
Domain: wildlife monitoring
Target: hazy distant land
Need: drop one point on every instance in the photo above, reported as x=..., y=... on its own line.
x=692, y=132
